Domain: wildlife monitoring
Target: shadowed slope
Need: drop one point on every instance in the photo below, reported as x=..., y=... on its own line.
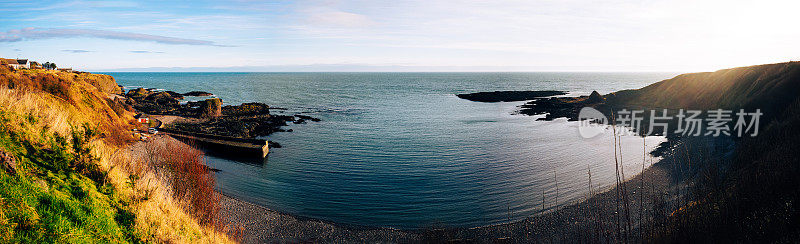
x=769, y=87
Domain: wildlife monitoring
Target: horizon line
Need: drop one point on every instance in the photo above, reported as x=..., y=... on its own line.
x=355, y=71
x=317, y=68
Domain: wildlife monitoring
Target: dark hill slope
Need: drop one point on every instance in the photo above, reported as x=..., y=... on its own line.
x=753, y=196
x=770, y=87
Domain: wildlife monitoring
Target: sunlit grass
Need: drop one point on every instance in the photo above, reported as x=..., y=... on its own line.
x=73, y=186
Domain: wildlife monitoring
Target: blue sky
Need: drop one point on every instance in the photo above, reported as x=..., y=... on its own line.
x=557, y=35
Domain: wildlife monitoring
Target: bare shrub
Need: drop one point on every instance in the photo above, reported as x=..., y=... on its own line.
x=183, y=169
x=192, y=181
x=53, y=85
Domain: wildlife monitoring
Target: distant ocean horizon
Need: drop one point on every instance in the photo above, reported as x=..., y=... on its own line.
x=356, y=68
x=399, y=149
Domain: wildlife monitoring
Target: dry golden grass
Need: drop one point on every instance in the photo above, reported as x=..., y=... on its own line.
x=159, y=217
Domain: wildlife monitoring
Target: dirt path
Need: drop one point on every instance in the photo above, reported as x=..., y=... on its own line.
x=169, y=119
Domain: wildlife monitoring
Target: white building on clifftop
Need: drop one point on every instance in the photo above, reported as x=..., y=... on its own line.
x=17, y=63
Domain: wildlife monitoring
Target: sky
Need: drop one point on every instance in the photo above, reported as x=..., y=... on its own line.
x=400, y=35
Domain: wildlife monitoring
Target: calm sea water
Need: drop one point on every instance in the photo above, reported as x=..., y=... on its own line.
x=401, y=150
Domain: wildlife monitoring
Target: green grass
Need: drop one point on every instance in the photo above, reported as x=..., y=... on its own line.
x=58, y=194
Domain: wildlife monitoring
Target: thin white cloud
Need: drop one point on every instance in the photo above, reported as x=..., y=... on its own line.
x=143, y=51
x=37, y=33
x=76, y=51
x=72, y=4
x=337, y=18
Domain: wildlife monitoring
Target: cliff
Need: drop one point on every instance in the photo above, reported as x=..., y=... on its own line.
x=743, y=192
x=769, y=87
x=752, y=194
x=66, y=173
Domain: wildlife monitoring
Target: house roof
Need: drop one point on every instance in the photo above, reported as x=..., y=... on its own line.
x=22, y=61
x=11, y=61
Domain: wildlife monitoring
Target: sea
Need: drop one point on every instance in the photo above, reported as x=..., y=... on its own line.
x=400, y=150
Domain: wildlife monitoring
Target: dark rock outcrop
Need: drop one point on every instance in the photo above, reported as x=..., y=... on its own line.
x=197, y=94
x=138, y=93
x=306, y=117
x=239, y=126
x=164, y=102
x=556, y=107
x=175, y=95
x=210, y=108
x=246, y=109
x=508, y=96
x=595, y=97
x=247, y=120
x=153, y=102
x=301, y=119
x=273, y=144
x=563, y=107
x=162, y=98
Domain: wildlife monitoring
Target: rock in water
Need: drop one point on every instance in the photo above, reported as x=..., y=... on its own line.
x=595, y=97
x=210, y=108
x=246, y=109
x=175, y=95
x=508, y=96
x=162, y=98
x=306, y=117
x=197, y=94
x=273, y=144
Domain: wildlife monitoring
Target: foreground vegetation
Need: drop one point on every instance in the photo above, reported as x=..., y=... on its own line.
x=751, y=194
x=66, y=174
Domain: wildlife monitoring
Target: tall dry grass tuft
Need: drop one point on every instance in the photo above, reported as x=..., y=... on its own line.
x=555, y=179
x=616, y=167
x=592, y=231
x=641, y=188
x=624, y=185
x=543, y=202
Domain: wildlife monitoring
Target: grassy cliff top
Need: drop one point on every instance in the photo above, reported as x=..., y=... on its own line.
x=66, y=173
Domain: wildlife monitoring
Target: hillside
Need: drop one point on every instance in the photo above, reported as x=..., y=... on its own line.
x=753, y=195
x=769, y=87
x=732, y=189
x=66, y=174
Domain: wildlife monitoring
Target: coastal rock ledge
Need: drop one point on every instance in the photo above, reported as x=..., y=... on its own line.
x=508, y=96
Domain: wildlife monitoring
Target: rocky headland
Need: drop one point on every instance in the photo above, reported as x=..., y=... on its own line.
x=247, y=120
x=508, y=96
x=560, y=107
